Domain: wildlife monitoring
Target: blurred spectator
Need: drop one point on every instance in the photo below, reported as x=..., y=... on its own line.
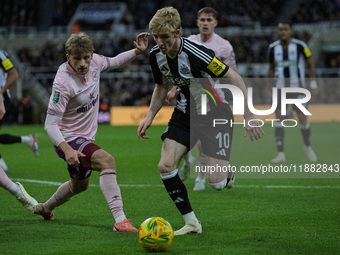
x=316, y=10
x=235, y=12
x=128, y=90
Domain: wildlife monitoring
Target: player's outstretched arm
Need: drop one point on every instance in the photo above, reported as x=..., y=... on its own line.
x=158, y=96
x=126, y=57
x=254, y=131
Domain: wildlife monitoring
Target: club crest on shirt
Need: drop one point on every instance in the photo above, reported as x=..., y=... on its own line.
x=56, y=97
x=184, y=69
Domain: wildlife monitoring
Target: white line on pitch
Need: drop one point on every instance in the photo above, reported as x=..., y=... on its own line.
x=160, y=185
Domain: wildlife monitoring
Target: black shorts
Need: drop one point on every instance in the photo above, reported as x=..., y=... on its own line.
x=187, y=130
x=178, y=128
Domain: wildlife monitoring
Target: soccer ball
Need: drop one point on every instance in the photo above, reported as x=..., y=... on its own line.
x=155, y=234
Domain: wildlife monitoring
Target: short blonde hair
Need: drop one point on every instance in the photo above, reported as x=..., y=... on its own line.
x=166, y=19
x=78, y=44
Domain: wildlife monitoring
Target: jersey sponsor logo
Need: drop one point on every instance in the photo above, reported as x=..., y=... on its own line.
x=88, y=106
x=56, y=97
x=7, y=64
x=216, y=66
x=286, y=63
x=178, y=81
x=184, y=69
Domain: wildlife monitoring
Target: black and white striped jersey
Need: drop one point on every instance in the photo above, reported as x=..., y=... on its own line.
x=194, y=60
x=289, y=62
x=5, y=66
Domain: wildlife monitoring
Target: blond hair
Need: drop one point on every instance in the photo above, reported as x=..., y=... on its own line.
x=166, y=19
x=78, y=44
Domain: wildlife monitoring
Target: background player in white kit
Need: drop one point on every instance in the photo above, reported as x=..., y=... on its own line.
x=206, y=22
x=8, y=76
x=287, y=59
x=71, y=124
x=15, y=188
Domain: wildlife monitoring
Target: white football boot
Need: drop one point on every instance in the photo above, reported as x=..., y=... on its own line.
x=280, y=158
x=189, y=229
x=199, y=186
x=25, y=199
x=310, y=153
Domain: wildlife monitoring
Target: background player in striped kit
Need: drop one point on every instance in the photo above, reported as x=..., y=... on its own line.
x=8, y=77
x=15, y=188
x=288, y=57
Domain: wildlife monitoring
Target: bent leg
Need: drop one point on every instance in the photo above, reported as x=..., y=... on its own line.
x=5, y=182
x=104, y=163
x=65, y=192
x=172, y=152
x=222, y=174
x=305, y=128
x=9, y=139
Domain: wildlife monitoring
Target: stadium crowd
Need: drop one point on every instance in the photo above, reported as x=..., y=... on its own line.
x=122, y=90
x=235, y=12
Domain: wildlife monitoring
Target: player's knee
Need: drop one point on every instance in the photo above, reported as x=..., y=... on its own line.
x=103, y=160
x=219, y=185
x=110, y=161
x=164, y=167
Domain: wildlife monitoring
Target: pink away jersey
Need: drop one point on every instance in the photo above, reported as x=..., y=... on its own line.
x=222, y=48
x=74, y=102
x=76, y=98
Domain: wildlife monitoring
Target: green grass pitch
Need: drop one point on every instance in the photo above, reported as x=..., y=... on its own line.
x=257, y=216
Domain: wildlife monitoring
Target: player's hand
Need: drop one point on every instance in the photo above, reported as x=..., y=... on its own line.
x=254, y=130
x=142, y=129
x=141, y=42
x=72, y=157
x=313, y=85
x=170, y=95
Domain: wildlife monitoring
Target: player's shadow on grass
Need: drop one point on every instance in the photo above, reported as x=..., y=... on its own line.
x=61, y=222
x=82, y=223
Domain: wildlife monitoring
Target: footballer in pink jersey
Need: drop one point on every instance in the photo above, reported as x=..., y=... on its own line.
x=222, y=47
x=71, y=124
